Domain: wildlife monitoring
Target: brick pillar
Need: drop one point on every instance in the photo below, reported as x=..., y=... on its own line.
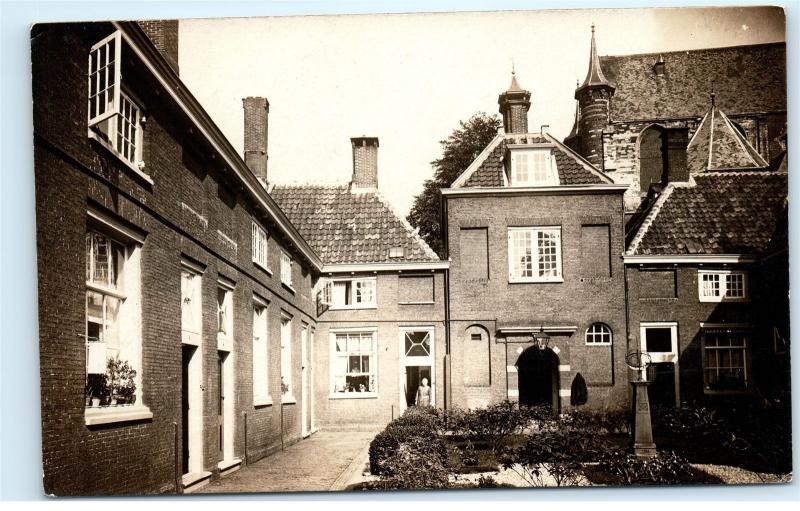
x=256, y=124
x=594, y=105
x=514, y=107
x=365, y=163
x=164, y=34
x=677, y=140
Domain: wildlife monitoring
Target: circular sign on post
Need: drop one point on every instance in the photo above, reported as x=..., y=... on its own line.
x=638, y=361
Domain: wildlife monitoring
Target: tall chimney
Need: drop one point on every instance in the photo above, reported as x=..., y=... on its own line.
x=256, y=112
x=164, y=34
x=514, y=104
x=365, y=163
x=677, y=140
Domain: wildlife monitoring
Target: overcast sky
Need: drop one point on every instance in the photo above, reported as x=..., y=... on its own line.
x=409, y=78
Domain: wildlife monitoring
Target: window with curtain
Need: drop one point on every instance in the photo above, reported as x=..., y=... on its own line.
x=353, y=364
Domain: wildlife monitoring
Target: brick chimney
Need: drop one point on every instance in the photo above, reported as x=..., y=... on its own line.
x=514, y=104
x=256, y=122
x=677, y=140
x=365, y=163
x=164, y=34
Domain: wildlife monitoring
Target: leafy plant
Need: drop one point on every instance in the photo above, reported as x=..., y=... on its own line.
x=121, y=380
x=415, y=423
x=662, y=469
x=97, y=386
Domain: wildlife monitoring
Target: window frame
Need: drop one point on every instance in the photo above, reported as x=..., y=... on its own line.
x=287, y=396
x=353, y=291
x=590, y=331
x=535, y=255
x=373, y=362
x=225, y=336
x=192, y=337
x=722, y=276
x=744, y=331
x=261, y=393
x=260, y=247
x=287, y=269
x=113, y=108
x=530, y=153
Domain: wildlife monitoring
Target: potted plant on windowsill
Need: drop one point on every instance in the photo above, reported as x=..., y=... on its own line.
x=96, y=389
x=121, y=377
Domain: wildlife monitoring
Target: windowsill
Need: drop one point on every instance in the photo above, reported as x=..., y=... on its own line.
x=536, y=281
x=259, y=265
x=91, y=286
x=262, y=401
x=228, y=464
x=352, y=307
x=354, y=395
x=224, y=343
x=288, y=399
x=417, y=303
x=597, y=344
x=723, y=300
x=128, y=164
x=95, y=416
x=289, y=287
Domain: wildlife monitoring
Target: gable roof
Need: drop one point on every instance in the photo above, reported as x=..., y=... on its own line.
x=715, y=213
x=746, y=78
x=718, y=145
x=348, y=227
x=488, y=169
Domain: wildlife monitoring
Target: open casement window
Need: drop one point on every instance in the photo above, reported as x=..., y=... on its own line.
x=534, y=254
x=354, y=364
x=113, y=340
x=533, y=167
x=260, y=246
x=224, y=316
x=260, y=354
x=286, y=268
x=723, y=285
x=725, y=360
x=191, y=307
x=351, y=293
x=286, y=359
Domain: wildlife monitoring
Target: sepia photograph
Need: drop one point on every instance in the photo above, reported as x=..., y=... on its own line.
x=412, y=251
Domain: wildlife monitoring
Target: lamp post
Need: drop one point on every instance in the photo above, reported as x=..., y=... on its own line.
x=643, y=444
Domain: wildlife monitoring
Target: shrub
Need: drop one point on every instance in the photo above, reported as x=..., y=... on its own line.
x=629, y=469
x=494, y=424
x=415, y=465
x=415, y=423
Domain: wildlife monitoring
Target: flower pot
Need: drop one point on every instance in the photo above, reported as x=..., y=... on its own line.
x=113, y=401
x=95, y=401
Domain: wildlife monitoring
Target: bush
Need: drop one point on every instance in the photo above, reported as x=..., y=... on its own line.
x=493, y=424
x=415, y=465
x=415, y=424
x=629, y=469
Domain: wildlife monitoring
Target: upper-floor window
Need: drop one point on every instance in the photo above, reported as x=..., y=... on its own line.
x=534, y=254
x=191, y=306
x=533, y=167
x=598, y=334
x=350, y=293
x=286, y=268
x=722, y=285
x=260, y=246
x=224, y=314
x=115, y=119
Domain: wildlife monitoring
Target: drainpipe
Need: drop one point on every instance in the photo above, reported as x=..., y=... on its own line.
x=178, y=481
x=448, y=372
x=245, y=438
x=282, y=445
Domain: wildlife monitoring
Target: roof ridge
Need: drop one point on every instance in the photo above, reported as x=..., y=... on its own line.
x=713, y=48
x=651, y=216
x=738, y=172
x=307, y=185
x=413, y=232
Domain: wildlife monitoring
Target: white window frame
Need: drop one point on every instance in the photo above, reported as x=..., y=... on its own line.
x=287, y=268
x=524, y=170
x=592, y=333
x=261, y=394
x=191, y=303
x=260, y=247
x=722, y=279
x=225, y=315
x=744, y=332
x=114, y=74
x=352, y=286
x=536, y=257
x=287, y=330
x=373, y=362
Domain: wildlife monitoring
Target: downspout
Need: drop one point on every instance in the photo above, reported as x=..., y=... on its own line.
x=448, y=372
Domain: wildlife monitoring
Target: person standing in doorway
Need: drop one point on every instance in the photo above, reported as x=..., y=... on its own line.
x=423, y=394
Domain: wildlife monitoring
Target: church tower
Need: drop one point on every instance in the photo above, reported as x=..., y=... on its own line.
x=594, y=98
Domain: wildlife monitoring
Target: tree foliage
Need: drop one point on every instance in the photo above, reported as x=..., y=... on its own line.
x=460, y=149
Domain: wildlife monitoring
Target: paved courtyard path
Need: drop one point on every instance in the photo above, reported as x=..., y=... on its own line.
x=325, y=461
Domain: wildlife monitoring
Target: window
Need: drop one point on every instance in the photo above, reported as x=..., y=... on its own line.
x=598, y=334
x=351, y=293
x=718, y=286
x=658, y=340
x=115, y=120
x=286, y=359
x=224, y=315
x=353, y=364
x=260, y=352
x=533, y=167
x=534, y=254
x=286, y=268
x=113, y=341
x=191, y=306
x=260, y=246
x=725, y=360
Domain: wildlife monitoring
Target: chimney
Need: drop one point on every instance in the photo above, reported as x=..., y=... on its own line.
x=256, y=112
x=514, y=104
x=660, y=66
x=164, y=34
x=365, y=163
x=677, y=140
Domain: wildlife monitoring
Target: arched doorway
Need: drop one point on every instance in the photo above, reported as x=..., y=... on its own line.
x=537, y=370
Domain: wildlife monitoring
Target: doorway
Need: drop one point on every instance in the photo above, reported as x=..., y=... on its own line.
x=186, y=357
x=225, y=404
x=660, y=341
x=537, y=370
x=305, y=430
x=417, y=350
x=414, y=376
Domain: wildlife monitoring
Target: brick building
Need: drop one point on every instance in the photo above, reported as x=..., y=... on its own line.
x=535, y=235
x=630, y=106
x=381, y=301
x=161, y=252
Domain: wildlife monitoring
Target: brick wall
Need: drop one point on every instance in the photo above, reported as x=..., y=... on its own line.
x=164, y=34
x=191, y=209
x=582, y=299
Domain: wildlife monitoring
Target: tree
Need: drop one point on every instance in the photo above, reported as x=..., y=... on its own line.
x=460, y=149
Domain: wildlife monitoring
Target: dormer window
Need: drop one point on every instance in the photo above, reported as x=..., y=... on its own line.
x=533, y=167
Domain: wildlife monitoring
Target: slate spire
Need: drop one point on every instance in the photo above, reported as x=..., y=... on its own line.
x=594, y=76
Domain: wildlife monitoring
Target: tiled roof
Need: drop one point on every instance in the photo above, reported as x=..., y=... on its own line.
x=346, y=227
x=718, y=145
x=746, y=79
x=572, y=169
x=719, y=213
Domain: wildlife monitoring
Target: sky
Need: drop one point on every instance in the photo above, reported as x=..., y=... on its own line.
x=408, y=79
